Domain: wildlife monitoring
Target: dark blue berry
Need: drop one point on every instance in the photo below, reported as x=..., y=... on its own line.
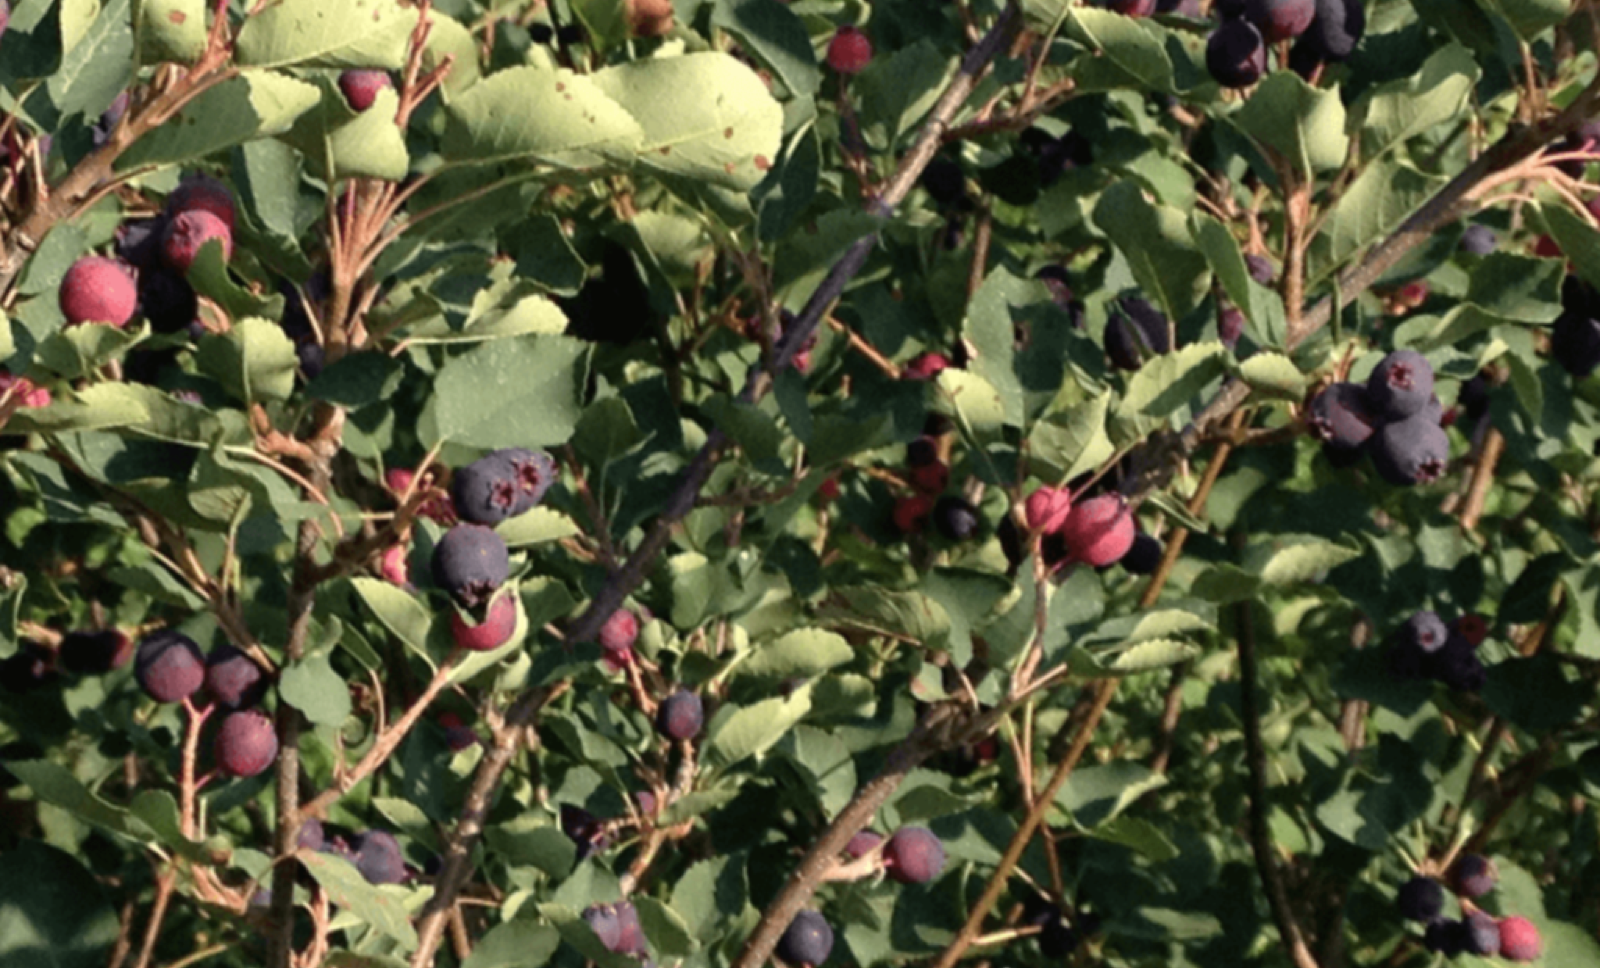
x=1415, y=451
x=1473, y=876
x=470, y=562
x=486, y=491
x=379, y=859
x=1135, y=330
x=233, y=679
x=1400, y=385
x=807, y=940
x=955, y=518
x=1420, y=899
x=681, y=716
x=1478, y=240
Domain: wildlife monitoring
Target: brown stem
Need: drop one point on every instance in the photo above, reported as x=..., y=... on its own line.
x=158, y=913
x=980, y=251
x=1172, y=708
x=1482, y=479
x=1260, y=834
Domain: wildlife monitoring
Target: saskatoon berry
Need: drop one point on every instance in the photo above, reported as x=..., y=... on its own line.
x=166, y=300
x=1458, y=667
x=930, y=478
x=94, y=653
x=187, y=232
x=1134, y=331
x=1414, y=451
x=535, y=472
x=1056, y=280
x=955, y=518
x=1425, y=631
x=1183, y=8
x=1472, y=628
x=863, y=844
x=913, y=855
x=584, y=829
x=570, y=36
x=169, y=666
x=360, y=88
x=925, y=367
x=1445, y=937
x=1420, y=899
x=470, y=562
x=494, y=631
x=98, y=290
x=1047, y=508
x=1143, y=557
x=619, y=632
x=541, y=33
x=246, y=743
x=1228, y=9
x=1260, y=269
x=311, y=835
x=944, y=181
x=1280, y=19
x=486, y=491
x=457, y=734
x=922, y=452
x=807, y=940
x=649, y=18
x=603, y=921
x=1230, y=326
x=1340, y=416
x=1482, y=934
x=910, y=513
x=139, y=243
x=1132, y=8
x=1400, y=385
x=1057, y=939
x=1010, y=540
x=233, y=679
x=1335, y=30
x=1575, y=342
x=1478, y=240
x=1519, y=939
x=1099, y=531
x=681, y=716
x=630, y=937
x=312, y=358
x=1473, y=399
x=1236, y=57
x=849, y=51
x=379, y=859
x=205, y=194
x=1473, y=876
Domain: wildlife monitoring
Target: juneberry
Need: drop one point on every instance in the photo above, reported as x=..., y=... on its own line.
x=681, y=715
x=603, y=921
x=311, y=835
x=850, y=51
x=862, y=844
x=93, y=653
x=360, y=88
x=1280, y=19
x=202, y=193
x=166, y=300
x=1420, y=899
x=1482, y=934
x=233, y=680
x=807, y=940
x=187, y=232
x=470, y=562
x=955, y=518
x=1586, y=138
x=925, y=367
x=910, y=513
x=169, y=666
x=27, y=669
x=944, y=181
x=486, y=491
x=246, y=743
x=1445, y=937
x=1261, y=269
x=1135, y=330
x=1132, y=8
x=1519, y=939
x=619, y=632
x=584, y=829
x=649, y=18
x=1335, y=30
x=138, y=242
x=1236, y=56
x=922, y=452
x=1400, y=385
x=1473, y=876
x=1472, y=628
x=1143, y=557
x=931, y=478
x=379, y=859
x=1414, y=451
x=630, y=934
x=1099, y=531
x=1426, y=631
x=1575, y=342
x=457, y=734
x=913, y=855
x=1047, y=508
x=1478, y=240
x=1341, y=417
x=1458, y=666
x=1230, y=326
x=98, y=290
x=496, y=629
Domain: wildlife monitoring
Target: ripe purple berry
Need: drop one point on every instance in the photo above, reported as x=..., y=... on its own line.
x=486, y=490
x=1340, y=416
x=955, y=518
x=98, y=290
x=1260, y=269
x=584, y=829
x=630, y=937
x=1280, y=19
x=618, y=633
x=93, y=653
x=1230, y=326
x=1425, y=631
x=379, y=859
x=169, y=666
x=807, y=940
x=1575, y=342
x=1236, y=56
x=1400, y=385
x=187, y=232
x=1482, y=934
x=361, y=88
x=1135, y=330
x=246, y=743
x=603, y=921
x=470, y=563
x=205, y=194
x=1473, y=876
x=1415, y=451
x=913, y=855
x=311, y=835
x=1478, y=240
x=681, y=716
x=233, y=679
x=1143, y=556
x=1420, y=899
x=1445, y=937
x=535, y=472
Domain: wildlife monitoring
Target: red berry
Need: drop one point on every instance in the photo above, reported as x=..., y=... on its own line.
x=618, y=634
x=910, y=513
x=863, y=844
x=246, y=744
x=187, y=232
x=925, y=367
x=360, y=88
x=98, y=290
x=394, y=566
x=1047, y=508
x=205, y=194
x=828, y=490
x=1547, y=248
x=1519, y=939
x=494, y=631
x=649, y=18
x=1099, y=531
x=913, y=855
x=849, y=51
x=930, y=479
x=1473, y=628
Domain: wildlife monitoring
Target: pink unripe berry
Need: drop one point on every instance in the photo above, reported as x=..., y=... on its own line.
x=246, y=744
x=494, y=631
x=398, y=479
x=98, y=290
x=913, y=855
x=910, y=513
x=190, y=230
x=849, y=51
x=205, y=194
x=1099, y=531
x=1519, y=939
x=619, y=633
x=395, y=570
x=1047, y=508
x=930, y=478
x=862, y=844
x=925, y=367
x=361, y=88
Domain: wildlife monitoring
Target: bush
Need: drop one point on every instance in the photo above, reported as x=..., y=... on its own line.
x=640, y=482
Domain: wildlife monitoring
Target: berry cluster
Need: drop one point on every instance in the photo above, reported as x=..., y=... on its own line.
x=375, y=853
x=1426, y=648
x=1099, y=532
x=954, y=517
x=1394, y=418
x=1324, y=31
x=1421, y=899
x=170, y=667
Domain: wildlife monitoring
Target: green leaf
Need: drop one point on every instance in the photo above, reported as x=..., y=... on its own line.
x=803, y=652
x=1151, y=654
x=606, y=20
x=709, y=893
x=312, y=687
x=1097, y=794
x=514, y=944
x=1303, y=125
x=78, y=352
x=255, y=104
x=1393, y=113
x=399, y=612
x=357, y=380
x=704, y=116
x=52, y=911
x=774, y=35
x=98, y=63
x=170, y=30
x=1139, y=835
x=1375, y=204
x=340, y=142
x=1156, y=242
x=371, y=905
x=1074, y=441
x=449, y=37
x=752, y=730
x=1530, y=18
x=538, y=526
x=668, y=932
x=1291, y=559
x=1125, y=53
x=606, y=431
x=528, y=841
x=314, y=33
x=1260, y=305
x=102, y=406
x=1167, y=382
x=1579, y=240
x=520, y=392
x=1273, y=375
x=897, y=90
x=51, y=783
x=973, y=401
x=253, y=361
x=554, y=117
